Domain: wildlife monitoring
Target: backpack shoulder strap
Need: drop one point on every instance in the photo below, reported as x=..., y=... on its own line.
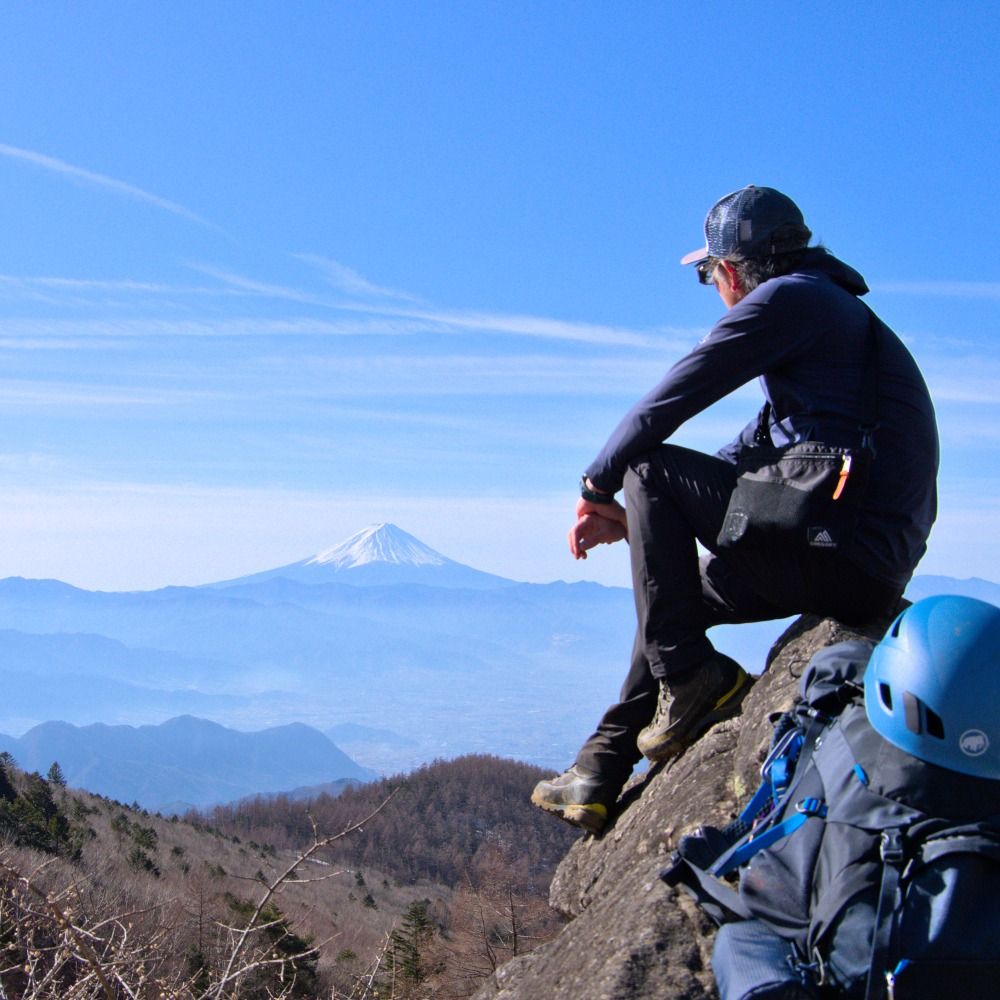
x=701, y=860
x=782, y=772
x=893, y=858
x=897, y=861
x=973, y=838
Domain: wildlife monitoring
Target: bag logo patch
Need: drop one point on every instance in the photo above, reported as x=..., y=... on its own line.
x=820, y=538
x=974, y=743
x=735, y=525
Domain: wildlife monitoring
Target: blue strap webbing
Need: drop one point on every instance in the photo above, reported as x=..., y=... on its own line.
x=742, y=853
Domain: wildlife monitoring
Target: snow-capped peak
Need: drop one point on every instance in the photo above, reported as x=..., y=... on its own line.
x=380, y=543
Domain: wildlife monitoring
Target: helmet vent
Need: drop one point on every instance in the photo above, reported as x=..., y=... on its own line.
x=885, y=696
x=935, y=727
x=921, y=719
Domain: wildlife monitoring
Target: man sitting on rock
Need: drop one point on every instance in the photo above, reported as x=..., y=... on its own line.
x=796, y=322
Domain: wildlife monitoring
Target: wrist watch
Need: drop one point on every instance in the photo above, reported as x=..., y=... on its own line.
x=594, y=496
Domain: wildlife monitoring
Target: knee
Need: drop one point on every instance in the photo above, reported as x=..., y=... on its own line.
x=637, y=479
x=651, y=470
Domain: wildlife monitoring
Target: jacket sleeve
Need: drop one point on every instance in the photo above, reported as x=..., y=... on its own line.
x=757, y=334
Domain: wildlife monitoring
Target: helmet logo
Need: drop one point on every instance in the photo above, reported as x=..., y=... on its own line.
x=974, y=743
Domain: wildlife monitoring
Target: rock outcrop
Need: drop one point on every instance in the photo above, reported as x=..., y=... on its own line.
x=630, y=936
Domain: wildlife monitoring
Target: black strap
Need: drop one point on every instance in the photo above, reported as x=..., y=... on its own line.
x=959, y=840
x=869, y=392
x=893, y=859
x=717, y=899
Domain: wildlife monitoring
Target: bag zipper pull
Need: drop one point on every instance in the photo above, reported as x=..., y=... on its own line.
x=845, y=471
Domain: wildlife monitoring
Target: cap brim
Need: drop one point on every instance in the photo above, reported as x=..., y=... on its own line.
x=695, y=256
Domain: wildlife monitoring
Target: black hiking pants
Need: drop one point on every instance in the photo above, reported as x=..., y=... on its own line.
x=675, y=498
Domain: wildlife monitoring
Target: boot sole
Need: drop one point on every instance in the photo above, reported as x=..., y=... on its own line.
x=592, y=818
x=676, y=745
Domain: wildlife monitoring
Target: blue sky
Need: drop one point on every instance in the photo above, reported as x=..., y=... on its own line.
x=273, y=272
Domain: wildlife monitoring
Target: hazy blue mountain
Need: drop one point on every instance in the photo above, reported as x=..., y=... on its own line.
x=749, y=643
x=351, y=732
x=927, y=586
x=307, y=792
x=183, y=760
x=269, y=639
x=64, y=654
x=407, y=671
x=455, y=670
x=77, y=698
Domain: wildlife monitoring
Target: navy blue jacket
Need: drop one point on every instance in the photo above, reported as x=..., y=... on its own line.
x=805, y=336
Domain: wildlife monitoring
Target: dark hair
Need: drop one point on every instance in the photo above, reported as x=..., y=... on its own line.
x=788, y=244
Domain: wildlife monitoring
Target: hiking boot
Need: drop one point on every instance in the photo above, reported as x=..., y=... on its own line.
x=709, y=693
x=578, y=796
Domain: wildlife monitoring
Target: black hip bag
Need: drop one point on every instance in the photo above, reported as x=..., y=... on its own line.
x=806, y=496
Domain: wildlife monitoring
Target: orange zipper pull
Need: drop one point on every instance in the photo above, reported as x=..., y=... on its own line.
x=845, y=471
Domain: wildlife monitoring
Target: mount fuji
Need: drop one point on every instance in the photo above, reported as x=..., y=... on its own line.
x=380, y=555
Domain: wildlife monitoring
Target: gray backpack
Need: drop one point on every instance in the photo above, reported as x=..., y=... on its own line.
x=863, y=872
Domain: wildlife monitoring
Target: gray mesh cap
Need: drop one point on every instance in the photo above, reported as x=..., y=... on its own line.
x=743, y=224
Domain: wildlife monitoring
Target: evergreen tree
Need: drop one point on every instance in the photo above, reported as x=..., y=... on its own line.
x=7, y=790
x=56, y=776
x=407, y=962
x=33, y=818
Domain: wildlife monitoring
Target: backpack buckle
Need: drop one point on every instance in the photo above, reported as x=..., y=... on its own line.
x=811, y=807
x=891, y=847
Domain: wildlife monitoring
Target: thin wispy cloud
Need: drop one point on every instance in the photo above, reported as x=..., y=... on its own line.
x=346, y=279
x=957, y=428
x=101, y=285
x=470, y=321
x=554, y=329
x=263, y=289
x=528, y=326
x=47, y=344
x=457, y=368
x=974, y=390
x=16, y=395
x=337, y=375
x=963, y=378
x=28, y=333
x=107, y=295
x=950, y=289
x=68, y=170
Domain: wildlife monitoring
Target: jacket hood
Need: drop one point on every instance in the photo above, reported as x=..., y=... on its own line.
x=817, y=259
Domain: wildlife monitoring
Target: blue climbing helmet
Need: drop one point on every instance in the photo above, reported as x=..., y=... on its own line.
x=932, y=686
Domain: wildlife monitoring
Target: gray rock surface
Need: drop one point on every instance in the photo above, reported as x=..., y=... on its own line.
x=629, y=936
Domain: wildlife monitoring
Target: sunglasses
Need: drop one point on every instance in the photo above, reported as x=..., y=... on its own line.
x=706, y=271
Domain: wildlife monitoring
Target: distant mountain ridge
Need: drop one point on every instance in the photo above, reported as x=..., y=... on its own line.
x=185, y=759
x=401, y=654
x=379, y=555
x=926, y=586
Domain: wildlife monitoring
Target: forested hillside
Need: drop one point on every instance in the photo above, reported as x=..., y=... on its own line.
x=101, y=900
x=440, y=822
